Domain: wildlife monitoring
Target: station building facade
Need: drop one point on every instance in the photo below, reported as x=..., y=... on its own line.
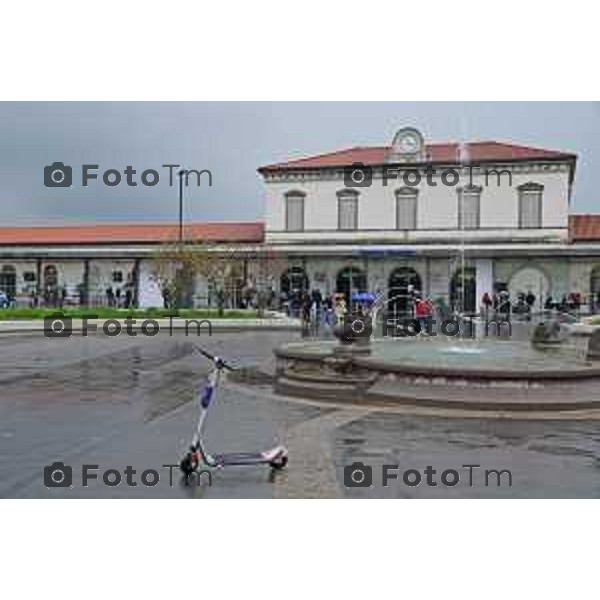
x=451, y=220
x=454, y=221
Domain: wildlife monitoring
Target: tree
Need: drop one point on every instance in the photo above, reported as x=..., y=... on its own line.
x=176, y=267
x=266, y=265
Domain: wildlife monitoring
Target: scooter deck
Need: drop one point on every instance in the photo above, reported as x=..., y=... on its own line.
x=241, y=458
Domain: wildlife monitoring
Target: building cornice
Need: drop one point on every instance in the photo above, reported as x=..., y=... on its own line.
x=310, y=174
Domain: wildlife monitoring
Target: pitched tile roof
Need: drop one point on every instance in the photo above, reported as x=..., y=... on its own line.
x=581, y=228
x=584, y=228
x=436, y=153
x=131, y=234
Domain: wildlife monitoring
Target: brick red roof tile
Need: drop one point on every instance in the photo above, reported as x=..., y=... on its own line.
x=584, y=228
x=581, y=228
x=130, y=234
x=436, y=153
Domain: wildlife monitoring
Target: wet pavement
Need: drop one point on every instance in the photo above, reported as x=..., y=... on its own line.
x=128, y=402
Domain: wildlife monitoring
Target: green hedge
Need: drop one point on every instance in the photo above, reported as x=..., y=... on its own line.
x=20, y=314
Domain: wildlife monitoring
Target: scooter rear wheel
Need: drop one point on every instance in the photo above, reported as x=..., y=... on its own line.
x=279, y=464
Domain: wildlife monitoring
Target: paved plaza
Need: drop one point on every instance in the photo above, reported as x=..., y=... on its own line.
x=118, y=402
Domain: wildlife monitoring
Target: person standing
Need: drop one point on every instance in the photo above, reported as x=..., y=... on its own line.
x=486, y=303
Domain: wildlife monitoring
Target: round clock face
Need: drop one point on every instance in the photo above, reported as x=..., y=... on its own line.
x=409, y=143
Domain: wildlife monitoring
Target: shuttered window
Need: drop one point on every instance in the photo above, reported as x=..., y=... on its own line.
x=294, y=212
x=530, y=206
x=347, y=211
x=406, y=209
x=469, y=199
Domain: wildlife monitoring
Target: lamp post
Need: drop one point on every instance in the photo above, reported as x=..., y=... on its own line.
x=181, y=174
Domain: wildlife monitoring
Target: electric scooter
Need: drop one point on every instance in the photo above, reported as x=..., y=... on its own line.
x=276, y=457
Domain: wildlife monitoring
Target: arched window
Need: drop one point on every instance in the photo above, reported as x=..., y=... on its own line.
x=469, y=200
x=406, y=208
x=294, y=211
x=294, y=280
x=530, y=205
x=347, y=210
x=463, y=290
x=50, y=277
x=8, y=281
x=349, y=281
x=402, y=284
x=530, y=280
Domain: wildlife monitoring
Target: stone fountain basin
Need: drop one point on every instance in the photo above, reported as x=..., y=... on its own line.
x=495, y=374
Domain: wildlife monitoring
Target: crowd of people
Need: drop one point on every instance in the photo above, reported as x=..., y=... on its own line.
x=58, y=297
x=525, y=303
x=315, y=309
x=318, y=311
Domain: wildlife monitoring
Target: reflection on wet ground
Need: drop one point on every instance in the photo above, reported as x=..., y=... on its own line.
x=547, y=459
x=128, y=401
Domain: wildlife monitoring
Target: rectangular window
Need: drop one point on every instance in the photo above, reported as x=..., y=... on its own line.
x=294, y=213
x=468, y=209
x=530, y=209
x=348, y=212
x=406, y=212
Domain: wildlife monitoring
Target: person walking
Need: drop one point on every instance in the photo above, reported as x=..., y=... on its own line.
x=305, y=314
x=340, y=309
x=423, y=312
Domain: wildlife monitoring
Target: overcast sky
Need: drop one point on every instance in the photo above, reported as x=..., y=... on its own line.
x=233, y=139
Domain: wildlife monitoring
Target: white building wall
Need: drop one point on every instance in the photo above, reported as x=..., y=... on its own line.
x=70, y=274
x=437, y=207
x=149, y=294
x=23, y=288
x=101, y=275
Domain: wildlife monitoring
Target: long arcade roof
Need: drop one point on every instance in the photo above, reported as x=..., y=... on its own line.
x=582, y=228
x=131, y=234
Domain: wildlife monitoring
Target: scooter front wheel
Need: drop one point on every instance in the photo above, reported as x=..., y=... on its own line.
x=188, y=464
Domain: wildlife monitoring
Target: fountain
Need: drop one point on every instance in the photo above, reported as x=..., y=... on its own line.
x=593, y=348
x=532, y=371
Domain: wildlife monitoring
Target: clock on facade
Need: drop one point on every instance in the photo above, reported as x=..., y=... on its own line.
x=408, y=145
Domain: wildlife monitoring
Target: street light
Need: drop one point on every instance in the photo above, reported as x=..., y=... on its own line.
x=181, y=174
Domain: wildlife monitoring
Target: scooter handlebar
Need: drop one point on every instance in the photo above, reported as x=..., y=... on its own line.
x=219, y=362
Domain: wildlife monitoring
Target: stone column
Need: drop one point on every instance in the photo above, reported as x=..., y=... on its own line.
x=485, y=279
x=136, y=283
x=86, y=281
x=38, y=289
